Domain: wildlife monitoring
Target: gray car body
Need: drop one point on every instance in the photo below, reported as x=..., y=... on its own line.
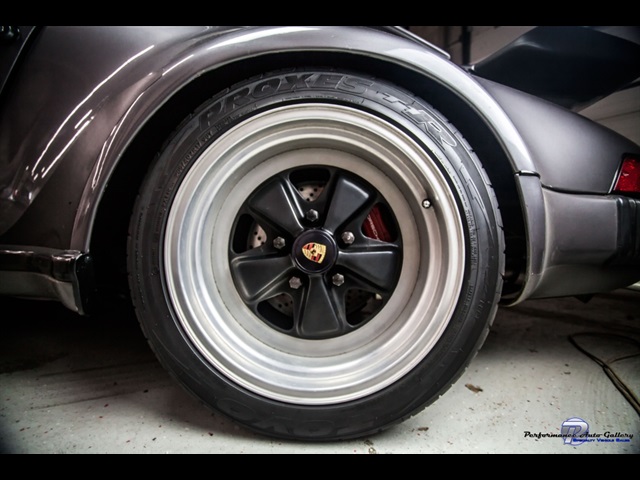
x=79, y=98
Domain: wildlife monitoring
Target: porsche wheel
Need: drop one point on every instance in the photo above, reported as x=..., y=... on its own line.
x=316, y=254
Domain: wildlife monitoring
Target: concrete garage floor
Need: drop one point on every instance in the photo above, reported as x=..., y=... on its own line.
x=91, y=385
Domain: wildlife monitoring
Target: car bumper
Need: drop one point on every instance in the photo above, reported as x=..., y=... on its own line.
x=66, y=276
x=593, y=244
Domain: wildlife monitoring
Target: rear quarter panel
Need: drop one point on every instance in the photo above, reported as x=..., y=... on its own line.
x=62, y=103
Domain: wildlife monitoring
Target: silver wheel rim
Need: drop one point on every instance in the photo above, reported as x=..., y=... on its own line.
x=230, y=337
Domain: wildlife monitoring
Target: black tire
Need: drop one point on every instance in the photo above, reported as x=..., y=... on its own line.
x=374, y=324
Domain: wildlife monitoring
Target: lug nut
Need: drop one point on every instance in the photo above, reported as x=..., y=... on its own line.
x=279, y=242
x=426, y=203
x=337, y=279
x=348, y=238
x=295, y=283
x=312, y=215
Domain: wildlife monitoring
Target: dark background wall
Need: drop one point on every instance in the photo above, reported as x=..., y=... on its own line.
x=620, y=111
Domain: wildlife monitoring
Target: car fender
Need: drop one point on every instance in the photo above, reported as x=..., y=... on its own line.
x=78, y=146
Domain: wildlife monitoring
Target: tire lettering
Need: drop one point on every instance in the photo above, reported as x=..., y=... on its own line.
x=327, y=81
x=391, y=99
x=236, y=410
x=225, y=105
x=274, y=424
x=318, y=429
x=212, y=112
x=428, y=122
x=345, y=83
x=295, y=81
x=266, y=88
x=271, y=86
x=238, y=99
x=430, y=125
x=353, y=85
x=190, y=154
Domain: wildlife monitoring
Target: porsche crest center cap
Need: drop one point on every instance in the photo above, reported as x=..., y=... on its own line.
x=314, y=251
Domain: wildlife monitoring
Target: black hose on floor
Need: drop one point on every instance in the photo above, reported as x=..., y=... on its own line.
x=607, y=364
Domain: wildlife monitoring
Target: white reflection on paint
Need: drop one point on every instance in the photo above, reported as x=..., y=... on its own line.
x=84, y=125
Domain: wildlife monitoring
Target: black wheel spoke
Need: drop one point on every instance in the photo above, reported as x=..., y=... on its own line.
x=319, y=313
x=260, y=276
x=278, y=204
x=377, y=266
x=347, y=201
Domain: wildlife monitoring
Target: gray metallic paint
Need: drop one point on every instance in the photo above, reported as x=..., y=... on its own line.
x=61, y=114
x=571, y=153
x=119, y=93
x=94, y=112
x=69, y=125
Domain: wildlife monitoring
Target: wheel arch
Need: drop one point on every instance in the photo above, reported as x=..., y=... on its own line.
x=502, y=156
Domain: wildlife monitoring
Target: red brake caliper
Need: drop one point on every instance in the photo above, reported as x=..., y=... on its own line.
x=374, y=226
